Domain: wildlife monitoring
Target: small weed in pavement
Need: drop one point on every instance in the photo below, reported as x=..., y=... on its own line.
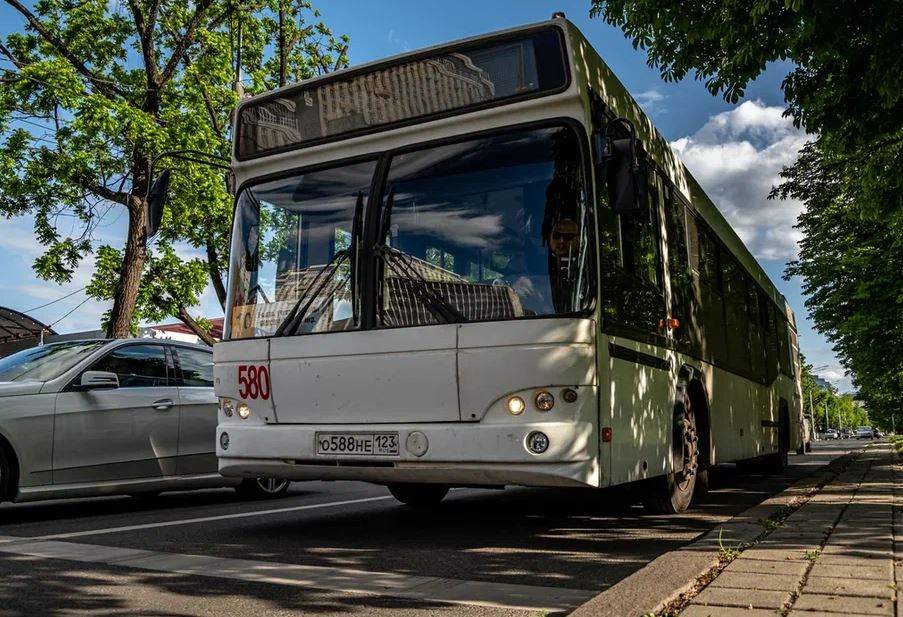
x=812, y=555
x=727, y=553
x=770, y=523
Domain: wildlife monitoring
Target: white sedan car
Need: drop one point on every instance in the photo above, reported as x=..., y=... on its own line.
x=105, y=417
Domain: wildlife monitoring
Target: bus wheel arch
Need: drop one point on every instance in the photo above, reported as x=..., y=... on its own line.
x=673, y=492
x=699, y=399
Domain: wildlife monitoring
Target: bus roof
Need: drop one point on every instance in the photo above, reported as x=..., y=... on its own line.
x=589, y=67
x=589, y=72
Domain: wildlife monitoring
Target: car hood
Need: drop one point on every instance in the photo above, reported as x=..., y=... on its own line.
x=16, y=388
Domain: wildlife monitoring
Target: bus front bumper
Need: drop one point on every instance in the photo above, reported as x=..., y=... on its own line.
x=460, y=454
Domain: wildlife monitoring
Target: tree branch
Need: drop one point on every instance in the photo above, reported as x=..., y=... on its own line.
x=338, y=62
x=104, y=86
x=146, y=37
x=189, y=321
x=185, y=42
x=215, y=275
x=100, y=190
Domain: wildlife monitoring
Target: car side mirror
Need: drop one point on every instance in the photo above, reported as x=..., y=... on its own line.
x=626, y=169
x=97, y=380
x=156, y=199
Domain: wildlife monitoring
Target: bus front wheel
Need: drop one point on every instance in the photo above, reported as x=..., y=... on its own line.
x=419, y=495
x=673, y=492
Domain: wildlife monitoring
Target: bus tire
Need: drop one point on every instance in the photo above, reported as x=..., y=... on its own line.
x=673, y=492
x=262, y=488
x=418, y=495
x=779, y=461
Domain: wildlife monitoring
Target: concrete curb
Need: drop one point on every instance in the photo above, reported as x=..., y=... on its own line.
x=663, y=580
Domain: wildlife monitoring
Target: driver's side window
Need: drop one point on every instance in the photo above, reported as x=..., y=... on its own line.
x=137, y=366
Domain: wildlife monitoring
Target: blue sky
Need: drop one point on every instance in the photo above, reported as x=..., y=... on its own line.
x=735, y=151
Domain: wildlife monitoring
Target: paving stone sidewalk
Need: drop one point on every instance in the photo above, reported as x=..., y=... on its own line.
x=833, y=556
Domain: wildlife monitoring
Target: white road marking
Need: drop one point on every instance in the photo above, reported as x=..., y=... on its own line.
x=192, y=521
x=425, y=588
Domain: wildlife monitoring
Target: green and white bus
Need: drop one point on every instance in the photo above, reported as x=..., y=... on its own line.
x=480, y=265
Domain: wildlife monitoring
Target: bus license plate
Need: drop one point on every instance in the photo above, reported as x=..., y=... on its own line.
x=360, y=444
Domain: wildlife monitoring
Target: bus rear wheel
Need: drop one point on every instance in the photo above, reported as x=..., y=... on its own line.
x=673, y=492
x=418, y=495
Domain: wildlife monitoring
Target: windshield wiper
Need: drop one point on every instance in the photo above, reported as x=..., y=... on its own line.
x=300, y=309
x=400, y=263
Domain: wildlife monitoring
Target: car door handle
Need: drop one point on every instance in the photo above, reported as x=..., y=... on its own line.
x=163, y=404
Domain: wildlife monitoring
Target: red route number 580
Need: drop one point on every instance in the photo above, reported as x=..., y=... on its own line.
x=253, y=381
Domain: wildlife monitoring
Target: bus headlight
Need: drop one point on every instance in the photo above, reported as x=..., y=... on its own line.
x=537, y=442
x=544, y=401
x=227, y=406
x=516, y=405
x=243, y=411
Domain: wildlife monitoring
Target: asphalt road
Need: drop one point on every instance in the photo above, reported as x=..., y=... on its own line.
x=346, y=548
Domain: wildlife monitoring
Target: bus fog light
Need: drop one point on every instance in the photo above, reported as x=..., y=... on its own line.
x=224, y=441
x=243, y=411
x=516, y=405
x=537, y=442
x=227, y=406
x=569, y=395
x=417, y=443
x=544, y=400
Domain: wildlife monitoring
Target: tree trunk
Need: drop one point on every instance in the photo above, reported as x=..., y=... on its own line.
x=216, y=277
x=133, y=259
x=189, y=321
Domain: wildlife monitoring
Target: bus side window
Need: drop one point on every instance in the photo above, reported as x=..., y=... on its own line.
x=756, y=331
x=710, y=291
x=643, y=304
x=682, y=305
x=631, y=292
x=735, y=314
x=771, y=338
x=784, y=345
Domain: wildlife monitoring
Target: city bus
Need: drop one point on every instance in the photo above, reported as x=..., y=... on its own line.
x=480, y=265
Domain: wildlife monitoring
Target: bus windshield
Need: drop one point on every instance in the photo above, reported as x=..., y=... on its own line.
x=487, y=229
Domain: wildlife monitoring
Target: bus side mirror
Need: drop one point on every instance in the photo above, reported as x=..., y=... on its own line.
x=156, y=199
x=626, y=172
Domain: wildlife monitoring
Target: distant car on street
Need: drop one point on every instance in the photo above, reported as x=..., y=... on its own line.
x=105, y=417
x=832, y=433
x=865, y=432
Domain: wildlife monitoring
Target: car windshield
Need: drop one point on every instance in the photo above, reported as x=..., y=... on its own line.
x=46, y=362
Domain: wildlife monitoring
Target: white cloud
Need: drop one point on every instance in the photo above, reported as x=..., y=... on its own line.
x=397, y=41
x=650, y=99
x=736, y=156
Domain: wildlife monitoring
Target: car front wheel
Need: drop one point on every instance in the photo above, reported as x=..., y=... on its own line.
x=262, y=488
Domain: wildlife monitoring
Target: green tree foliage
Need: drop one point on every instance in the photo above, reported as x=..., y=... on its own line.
x=843, y=87
x=850, y=263
x=843, y=410
x=93, y=90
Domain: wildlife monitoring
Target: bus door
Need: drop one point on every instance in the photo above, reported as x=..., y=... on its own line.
x=637, y=367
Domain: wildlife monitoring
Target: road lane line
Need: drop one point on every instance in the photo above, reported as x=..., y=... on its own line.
x=345, y=580
x=204, y=519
